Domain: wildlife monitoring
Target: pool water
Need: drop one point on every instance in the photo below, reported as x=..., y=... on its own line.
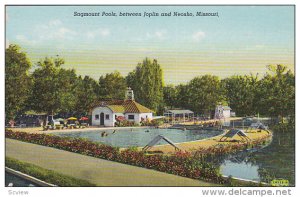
x=141, y=136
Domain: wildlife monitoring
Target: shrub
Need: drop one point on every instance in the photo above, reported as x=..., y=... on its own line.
x=126, y=123
x=153, y=123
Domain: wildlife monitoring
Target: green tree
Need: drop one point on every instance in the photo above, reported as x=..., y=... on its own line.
x=67, y=83
x=182, y=97
x=86, y=94
x=17, y=81
x=112, y=86
x=52, y=87
x=147, y=82
x=240, y=92
x=170, y=94
x=204, y=94
x=276, y=92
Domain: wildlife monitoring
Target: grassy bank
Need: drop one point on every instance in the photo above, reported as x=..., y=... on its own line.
x=48, y=176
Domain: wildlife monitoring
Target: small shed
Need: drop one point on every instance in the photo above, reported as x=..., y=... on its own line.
x=222, y=112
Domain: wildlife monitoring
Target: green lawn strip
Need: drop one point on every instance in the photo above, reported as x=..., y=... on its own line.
x=48, y=176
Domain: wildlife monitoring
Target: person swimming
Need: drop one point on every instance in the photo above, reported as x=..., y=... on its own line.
x=103, y=134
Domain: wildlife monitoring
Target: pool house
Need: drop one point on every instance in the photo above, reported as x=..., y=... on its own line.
x=108, y=112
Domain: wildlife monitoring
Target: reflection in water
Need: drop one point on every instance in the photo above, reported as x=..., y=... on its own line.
x=277, y=160
x=247, y=171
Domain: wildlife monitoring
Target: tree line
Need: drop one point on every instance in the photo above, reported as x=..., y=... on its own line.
x=51, y=89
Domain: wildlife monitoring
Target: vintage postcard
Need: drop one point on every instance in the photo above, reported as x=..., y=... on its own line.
x=150, y=95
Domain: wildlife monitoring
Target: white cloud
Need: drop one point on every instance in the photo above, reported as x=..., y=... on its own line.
x=55, y=22
x=25, y=40
x=53, y=30
x=103, y=32
x=161, y=34
x=260, y=46
x=198, y=36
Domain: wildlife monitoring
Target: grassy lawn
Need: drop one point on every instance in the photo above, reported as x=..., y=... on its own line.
x=44, y=174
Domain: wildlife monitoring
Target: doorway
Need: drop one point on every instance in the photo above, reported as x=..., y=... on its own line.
x=102, y=119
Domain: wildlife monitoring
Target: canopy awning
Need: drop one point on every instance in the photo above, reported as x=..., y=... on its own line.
x=72, y=118
x=84, y=118
x=179, y=111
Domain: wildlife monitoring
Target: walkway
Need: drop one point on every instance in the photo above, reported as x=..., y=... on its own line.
x=98, y=171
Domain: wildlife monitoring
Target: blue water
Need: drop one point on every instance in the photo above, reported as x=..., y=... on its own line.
x=141, y=136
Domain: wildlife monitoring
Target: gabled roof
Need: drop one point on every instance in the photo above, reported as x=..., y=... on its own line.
x=226, y=108
x=123, y=106
x=117, y=108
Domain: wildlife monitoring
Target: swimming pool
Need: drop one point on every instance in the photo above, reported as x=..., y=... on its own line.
x=140, y=136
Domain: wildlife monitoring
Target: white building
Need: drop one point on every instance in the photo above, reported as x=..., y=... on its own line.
x=105, y=113
x=222, y=112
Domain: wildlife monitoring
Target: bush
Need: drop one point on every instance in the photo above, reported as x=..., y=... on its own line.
x=126, y=123
x=153, y=123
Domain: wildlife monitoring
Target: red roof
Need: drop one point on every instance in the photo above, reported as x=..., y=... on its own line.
x=128, y=106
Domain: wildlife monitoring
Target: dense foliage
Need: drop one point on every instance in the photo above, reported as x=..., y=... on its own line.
x=17, y=81
x=147, y=82
x=51, y=88
x=112, y=86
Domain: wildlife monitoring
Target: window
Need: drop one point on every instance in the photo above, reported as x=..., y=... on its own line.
x=107, y=117
x=130, y=117
x=97, y=117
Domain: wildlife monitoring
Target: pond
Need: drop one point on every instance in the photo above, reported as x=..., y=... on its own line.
x=276, y=160
x=141, y=136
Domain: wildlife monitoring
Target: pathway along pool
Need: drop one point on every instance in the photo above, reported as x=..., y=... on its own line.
x=141, y=136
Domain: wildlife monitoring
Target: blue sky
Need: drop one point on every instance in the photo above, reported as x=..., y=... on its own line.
x=241, y=40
